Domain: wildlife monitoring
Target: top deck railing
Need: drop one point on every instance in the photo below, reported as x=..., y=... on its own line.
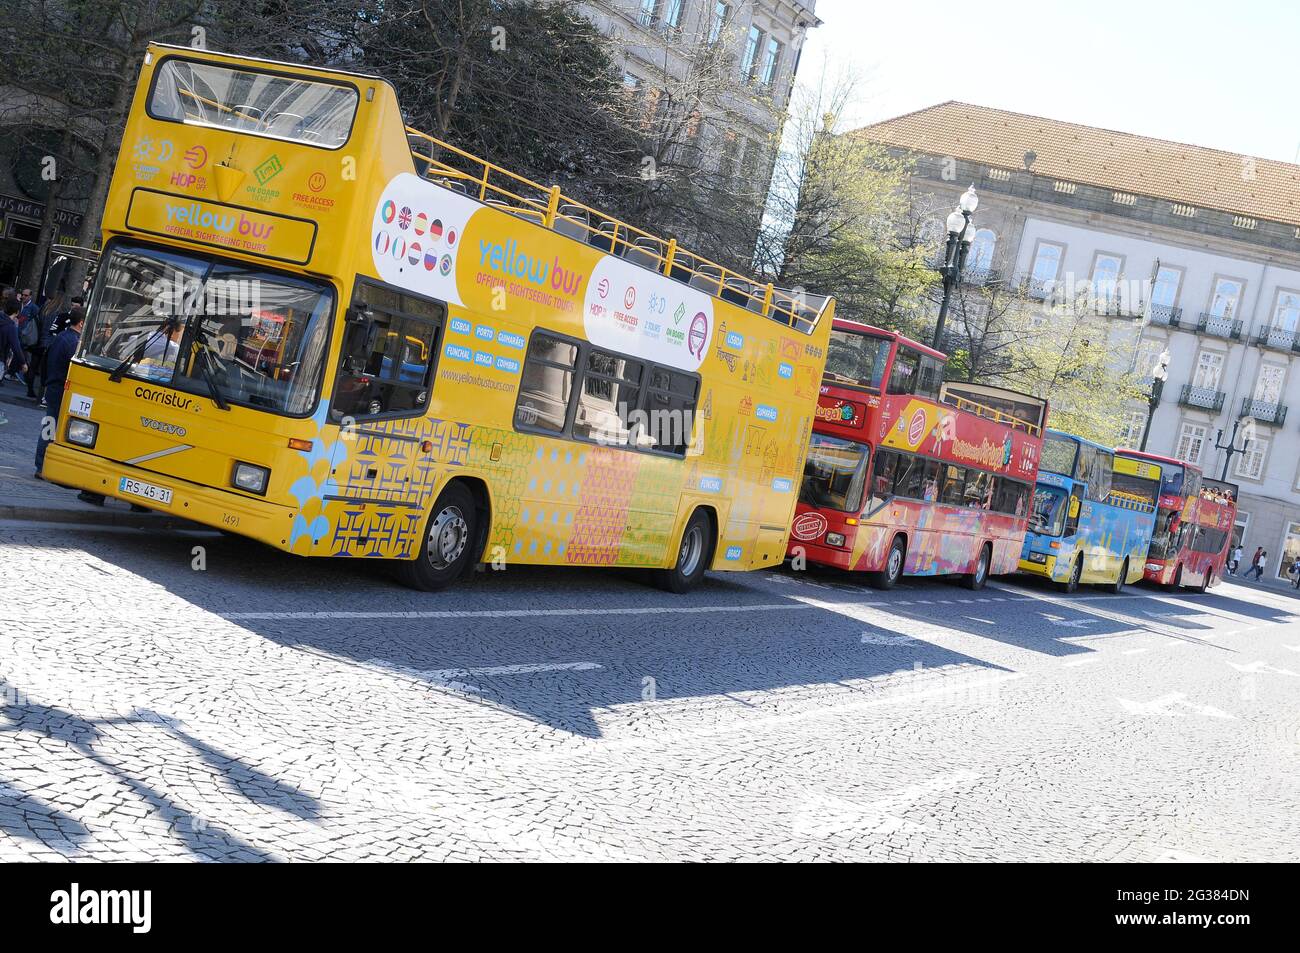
x=992, y=413
x=549, y=207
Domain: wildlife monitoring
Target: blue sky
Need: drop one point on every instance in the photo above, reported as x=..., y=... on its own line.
x=1224, y=75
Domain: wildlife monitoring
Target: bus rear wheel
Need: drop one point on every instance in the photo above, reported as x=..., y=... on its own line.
x=693, y=556
x=1206, y=582
x=1076, y=574
x=448, y=546
x=1118, y=585
x=894, y=564
x=975, y=580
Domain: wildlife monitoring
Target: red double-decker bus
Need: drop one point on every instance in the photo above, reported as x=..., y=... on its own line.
x=908, y=474
x=1194, y=521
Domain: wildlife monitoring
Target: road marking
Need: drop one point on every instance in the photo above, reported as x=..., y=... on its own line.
x=510, y=613
x=1165, y=705
x=1086, y=660
x=453, y=678
x=1263, y=668
x=884, y=638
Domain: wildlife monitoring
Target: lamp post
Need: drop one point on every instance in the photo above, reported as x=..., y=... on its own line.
x=1159, y=374
x=954, y=256
x=1231, y=446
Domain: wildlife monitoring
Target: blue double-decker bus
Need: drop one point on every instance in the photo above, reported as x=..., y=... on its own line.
x=1092, y=517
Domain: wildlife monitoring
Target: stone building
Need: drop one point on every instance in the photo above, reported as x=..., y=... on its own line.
x=1205, y=246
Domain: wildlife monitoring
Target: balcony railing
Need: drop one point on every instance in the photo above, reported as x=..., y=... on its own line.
x=1165, y=315
x=1201, y=398
x=1118, y=306
x=1216, y=325
x=1277, y=339
x=980, y=277
x=1263, y=411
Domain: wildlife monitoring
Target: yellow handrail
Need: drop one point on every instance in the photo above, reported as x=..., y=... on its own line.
x=965, y=403
x=784, y=308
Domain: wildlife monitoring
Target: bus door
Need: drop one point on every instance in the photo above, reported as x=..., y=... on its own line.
x=382, y=397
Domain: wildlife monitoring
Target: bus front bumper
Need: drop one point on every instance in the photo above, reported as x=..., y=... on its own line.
x=266, y=522
x=1046, y=568
x=820, y=554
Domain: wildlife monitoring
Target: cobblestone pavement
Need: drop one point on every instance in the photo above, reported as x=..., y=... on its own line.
x=270, y=708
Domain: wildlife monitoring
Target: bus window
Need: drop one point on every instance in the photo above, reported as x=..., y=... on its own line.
x=978, y=492
x=546, y=384
x=910, y=479
x=391, y=376
x=1074, y=509
x=1048, y=517
x=1192, y=484
x=670, y=411
x=1010, y=497
x=835, y=474
x=902, y=378
x=1058, y=455
x=952, y=489
x=1095, y=468
x=882, y=477
x=930, y=486
x=857, y=358
x=244, y=100
x=929, y=377
x=611, y=386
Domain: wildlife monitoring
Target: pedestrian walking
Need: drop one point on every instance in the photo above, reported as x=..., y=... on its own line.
x=1235, y=560
x=56, y=372
x=35, y=338
x=1293, y=571
x=1260, y=565
x=12, y=357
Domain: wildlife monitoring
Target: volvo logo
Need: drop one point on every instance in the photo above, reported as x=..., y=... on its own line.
x=162, y=426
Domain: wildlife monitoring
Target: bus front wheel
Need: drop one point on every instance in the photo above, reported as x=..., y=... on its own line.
x=1206, y=582
x=1076, y=574
x=894, y=564
x=1118, y=585
x=976, y=579
x=448, y=545
x=693, y=556
x=1178, y=580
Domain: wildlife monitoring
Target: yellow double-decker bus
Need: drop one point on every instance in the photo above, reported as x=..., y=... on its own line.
x=323, y=330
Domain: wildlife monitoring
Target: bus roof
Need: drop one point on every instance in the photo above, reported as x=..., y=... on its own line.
x=844, y=324
x=1157, y=458
x=1078, y=439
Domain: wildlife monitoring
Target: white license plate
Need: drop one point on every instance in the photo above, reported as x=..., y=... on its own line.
x=146, y=491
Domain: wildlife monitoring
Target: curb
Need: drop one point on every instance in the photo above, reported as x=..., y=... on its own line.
x=97, y=517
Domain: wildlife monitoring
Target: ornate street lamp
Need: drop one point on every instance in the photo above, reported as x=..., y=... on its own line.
x=960, y=235
x=1159, y=374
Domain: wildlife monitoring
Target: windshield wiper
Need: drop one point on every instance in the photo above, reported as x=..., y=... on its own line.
x=169, y=324
x=205, y=356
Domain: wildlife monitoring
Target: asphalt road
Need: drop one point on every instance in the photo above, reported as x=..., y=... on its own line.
x=266, y=707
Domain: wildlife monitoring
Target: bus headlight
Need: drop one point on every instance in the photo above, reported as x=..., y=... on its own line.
x=834, y=539
x=250, y=477
x=83, y=433
x=1037, y=557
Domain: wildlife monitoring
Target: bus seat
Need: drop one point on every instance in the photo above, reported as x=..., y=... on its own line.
x=706, y=278
x=683, y=265
x=646, y=252
x=572, y=220
x=603, y=236
x=532, y=214
x=737, y=291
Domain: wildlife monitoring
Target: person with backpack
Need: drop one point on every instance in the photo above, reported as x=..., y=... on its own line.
x=35, y=339
x=12, y=357
x=60, y=358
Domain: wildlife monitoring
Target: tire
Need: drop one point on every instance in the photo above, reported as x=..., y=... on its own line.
x=894, y=564
x=1178, y=580
x=448, y=545
x=975, y=580
x=694, y=556
x=1072, y=584
x=1206, y=582
x=1118, y=585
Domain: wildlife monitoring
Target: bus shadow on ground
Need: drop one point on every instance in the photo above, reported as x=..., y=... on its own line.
x=555, y=645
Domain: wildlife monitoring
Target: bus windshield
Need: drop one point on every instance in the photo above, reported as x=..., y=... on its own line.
x=1048, y=516
x=856, y=358
x=835, y=474
x=1058, y=455
x=1171, y=479
x=264, y=104
x=211, y=328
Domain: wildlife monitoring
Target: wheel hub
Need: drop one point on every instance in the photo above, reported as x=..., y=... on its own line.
x=448, y=537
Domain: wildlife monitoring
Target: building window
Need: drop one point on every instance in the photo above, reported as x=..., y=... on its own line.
x=1268, y=386
x=1047, y=263
x=981, y=249
x=631, y=83
x=1209, y=366
x=721, y=17
x=1290, y=549
x=1191, y=443
x=1286, y=313
x=648, y=10
x=1106, y=269
x=729, y=158
x=1226, y=299
x=1250, y=462
x=1164, y=293
x=771, y=61
x=747, y=62
x=1135, y=422
x=1239, y=528
x=673, y=16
